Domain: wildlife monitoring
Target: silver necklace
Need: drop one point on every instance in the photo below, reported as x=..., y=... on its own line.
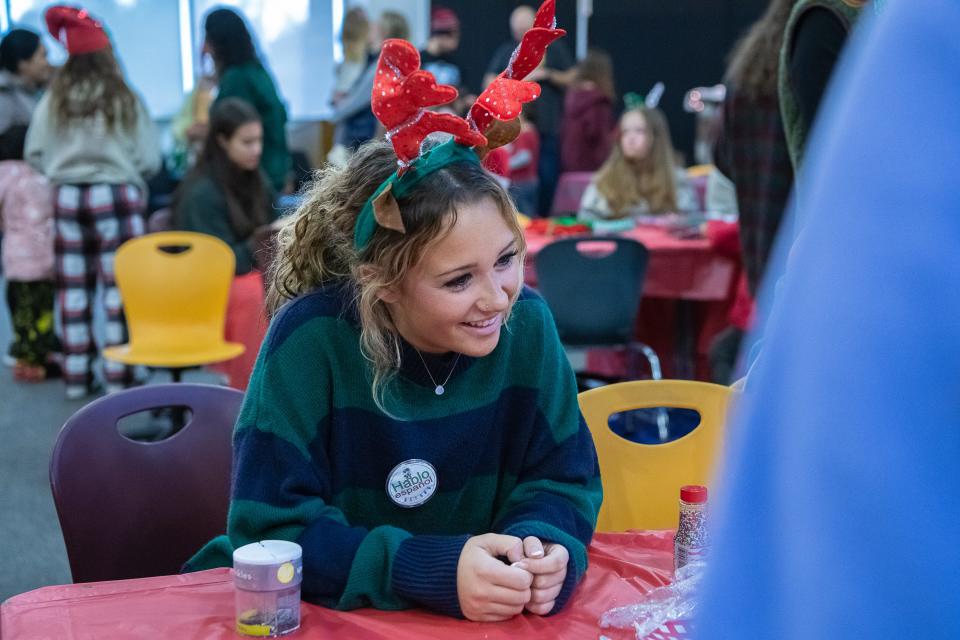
x=437, y=388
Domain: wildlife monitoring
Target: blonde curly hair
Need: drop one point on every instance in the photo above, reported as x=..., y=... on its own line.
x=315, y=247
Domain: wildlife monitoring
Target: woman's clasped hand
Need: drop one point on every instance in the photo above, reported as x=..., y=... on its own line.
x=491, y=590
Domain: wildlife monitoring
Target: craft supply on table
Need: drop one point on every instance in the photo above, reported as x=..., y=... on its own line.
x=666, y=611
x=616, y=225
x=267, y=577
x=558, y=227
x=691, y=542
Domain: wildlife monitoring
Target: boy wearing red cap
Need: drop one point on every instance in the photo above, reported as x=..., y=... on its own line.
x=442, y=46
x=93, y=138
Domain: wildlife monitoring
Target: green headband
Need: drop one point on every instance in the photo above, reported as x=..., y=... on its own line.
x=632, y=101
x=401, y=185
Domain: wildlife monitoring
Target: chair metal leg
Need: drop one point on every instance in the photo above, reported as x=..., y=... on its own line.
x=178, y=416
x=663, y=419
x=686, y=340
x=663, y=424
x=655, y=372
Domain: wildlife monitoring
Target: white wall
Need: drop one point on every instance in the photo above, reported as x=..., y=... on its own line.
x=295, y=38
x=417, y=13
x=295, y=41
x=146, y=36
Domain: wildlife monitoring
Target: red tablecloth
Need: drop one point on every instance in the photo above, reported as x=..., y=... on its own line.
x=623, y=567
x=688, y=290
x=687, y=269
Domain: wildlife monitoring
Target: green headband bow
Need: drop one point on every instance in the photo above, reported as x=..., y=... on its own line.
x=633, y=101
x=380, y=209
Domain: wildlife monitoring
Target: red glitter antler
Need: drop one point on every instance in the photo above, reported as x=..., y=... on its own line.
x=507, y=94
x=401, y=93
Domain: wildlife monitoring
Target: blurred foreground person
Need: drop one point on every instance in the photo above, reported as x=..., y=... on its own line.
x=838, y=507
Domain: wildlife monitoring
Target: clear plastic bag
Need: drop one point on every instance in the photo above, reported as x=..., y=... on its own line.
x=672, y=602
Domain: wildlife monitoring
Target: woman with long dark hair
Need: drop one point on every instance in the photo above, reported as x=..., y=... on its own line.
x=93, y=138
x=241, y=74
x=24, y=72
x=229, y=197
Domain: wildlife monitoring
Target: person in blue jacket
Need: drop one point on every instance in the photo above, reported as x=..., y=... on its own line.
x=839, y=508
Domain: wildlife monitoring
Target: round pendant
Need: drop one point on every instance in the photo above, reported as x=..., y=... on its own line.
x=439, y=390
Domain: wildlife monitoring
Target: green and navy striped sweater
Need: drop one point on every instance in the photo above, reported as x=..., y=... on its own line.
x=312, y=456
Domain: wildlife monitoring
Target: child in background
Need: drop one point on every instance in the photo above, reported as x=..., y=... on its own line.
x=524, y=158
x=588, y=121
x=227, y=196
x=640, y=177
x=26, y=219
x=93, y=138
x=412, y=418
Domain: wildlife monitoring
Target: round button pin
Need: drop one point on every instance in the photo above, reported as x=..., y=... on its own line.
x=411, y=483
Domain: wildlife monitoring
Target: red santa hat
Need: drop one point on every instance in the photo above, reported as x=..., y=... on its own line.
x=444, y=20
x=76, y=29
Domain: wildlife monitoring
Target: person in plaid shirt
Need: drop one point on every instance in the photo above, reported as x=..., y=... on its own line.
x=94, y=140
x=752, y=149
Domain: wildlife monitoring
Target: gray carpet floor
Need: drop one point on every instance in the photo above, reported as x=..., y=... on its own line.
x=30, y=418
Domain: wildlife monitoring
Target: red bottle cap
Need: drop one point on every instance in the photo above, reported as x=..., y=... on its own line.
x=693, y=493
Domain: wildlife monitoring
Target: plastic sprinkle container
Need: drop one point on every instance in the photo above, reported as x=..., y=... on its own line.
x=267, y=577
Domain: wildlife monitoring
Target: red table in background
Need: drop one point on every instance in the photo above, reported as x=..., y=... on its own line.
x=680, y=269
x=623, y=567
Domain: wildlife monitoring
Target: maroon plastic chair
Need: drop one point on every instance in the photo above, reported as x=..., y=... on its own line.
x=570, y=188
x=131, y=509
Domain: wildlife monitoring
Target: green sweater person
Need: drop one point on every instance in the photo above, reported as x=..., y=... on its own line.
x=242, y=75
x=412, y=419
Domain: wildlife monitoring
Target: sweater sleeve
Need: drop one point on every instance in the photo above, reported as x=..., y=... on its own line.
x=558, y=493
x=358, y=98
x=37, y=133
x=146, y=152
x=204, y=210
x=593, y=205
x=282, y=487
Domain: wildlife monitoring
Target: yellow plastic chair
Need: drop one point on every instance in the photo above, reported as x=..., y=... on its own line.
x=641, y=483
x=175, y=302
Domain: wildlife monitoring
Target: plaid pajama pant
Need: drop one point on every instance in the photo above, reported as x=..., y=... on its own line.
x=92, y=220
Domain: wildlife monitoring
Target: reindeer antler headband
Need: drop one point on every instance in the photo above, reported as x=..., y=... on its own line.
x=401, y=93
